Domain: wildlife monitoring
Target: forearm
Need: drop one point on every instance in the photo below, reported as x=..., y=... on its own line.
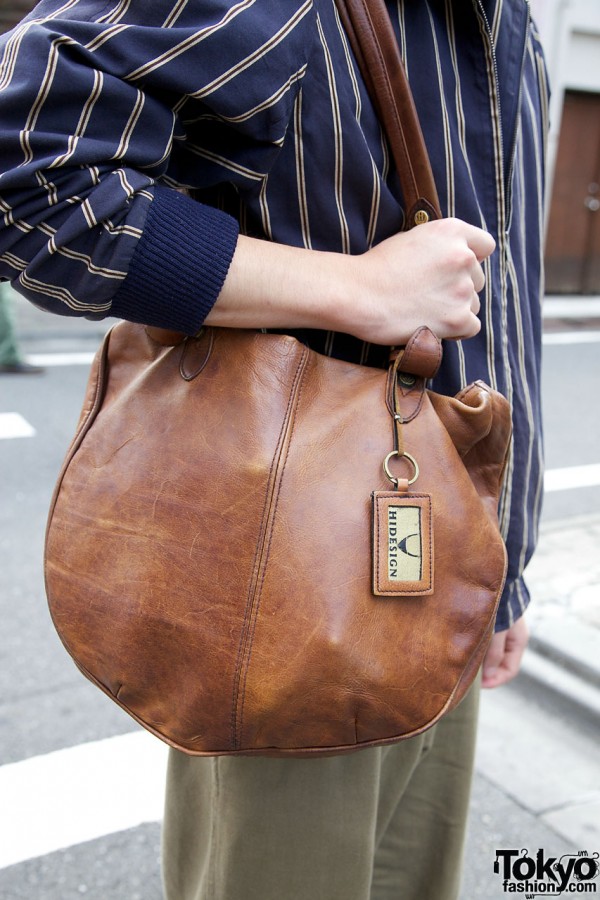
x=275, y=286
x=429, y=276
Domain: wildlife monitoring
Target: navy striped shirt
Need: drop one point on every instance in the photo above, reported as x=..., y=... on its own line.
x=258, y=110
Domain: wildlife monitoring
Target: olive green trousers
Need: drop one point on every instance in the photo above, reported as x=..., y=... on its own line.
x=378, y=824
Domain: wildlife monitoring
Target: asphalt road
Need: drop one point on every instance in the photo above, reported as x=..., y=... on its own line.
x=571, y=392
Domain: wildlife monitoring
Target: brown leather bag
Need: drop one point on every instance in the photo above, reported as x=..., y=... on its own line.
x=256, y=549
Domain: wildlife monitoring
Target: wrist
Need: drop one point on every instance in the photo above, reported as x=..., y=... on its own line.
x=342, y=293
x=272, y=285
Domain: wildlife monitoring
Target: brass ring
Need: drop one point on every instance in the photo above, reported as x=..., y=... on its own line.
x=411, y=459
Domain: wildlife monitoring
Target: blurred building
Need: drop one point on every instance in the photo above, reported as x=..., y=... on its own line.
x=12, y=11
x=570, y=31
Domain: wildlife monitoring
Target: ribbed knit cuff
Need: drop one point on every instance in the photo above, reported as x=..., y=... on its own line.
x=179, y=265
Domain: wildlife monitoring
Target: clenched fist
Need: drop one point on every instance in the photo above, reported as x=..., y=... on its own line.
x=428, y=276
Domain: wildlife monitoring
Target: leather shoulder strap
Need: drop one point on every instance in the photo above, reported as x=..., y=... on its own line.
x=374, y=43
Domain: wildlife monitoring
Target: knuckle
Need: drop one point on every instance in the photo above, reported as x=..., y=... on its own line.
x=456, y=320
x=465, y=256
x=464, y=291
x=453, y=224
x=462, y=322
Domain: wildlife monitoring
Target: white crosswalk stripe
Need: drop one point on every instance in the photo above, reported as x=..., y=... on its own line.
x=571, y=477
x=61, y=359
x=570, y=337
x=79, y=794
x=13, y=425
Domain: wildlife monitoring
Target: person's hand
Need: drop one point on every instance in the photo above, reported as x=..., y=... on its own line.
x=503, y=658
x=430, y=276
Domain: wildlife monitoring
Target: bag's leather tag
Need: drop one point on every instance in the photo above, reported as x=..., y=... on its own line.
x=402, y=544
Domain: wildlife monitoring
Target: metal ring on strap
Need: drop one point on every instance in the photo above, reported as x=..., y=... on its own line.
x=411, y=459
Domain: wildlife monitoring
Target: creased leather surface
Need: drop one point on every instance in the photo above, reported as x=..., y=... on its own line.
x=208, y=559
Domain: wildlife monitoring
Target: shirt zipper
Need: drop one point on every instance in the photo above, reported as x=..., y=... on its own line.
x=506, y=173
x=513, y=149
x=486, y=22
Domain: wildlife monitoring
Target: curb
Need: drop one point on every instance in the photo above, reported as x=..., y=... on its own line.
x=562, y=662
x=570, y=646
x=564, y=690
x=562, y=666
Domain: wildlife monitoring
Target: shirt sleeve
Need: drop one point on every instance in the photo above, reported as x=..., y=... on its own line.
x=521, y=505
x=105, y=109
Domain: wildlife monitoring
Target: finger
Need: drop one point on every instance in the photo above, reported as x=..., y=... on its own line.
x=503, y=659
x=472, y=327
x=493, y=659
x=480, y=242
x=509, y=666
x=478, y=277
x=512, y=660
